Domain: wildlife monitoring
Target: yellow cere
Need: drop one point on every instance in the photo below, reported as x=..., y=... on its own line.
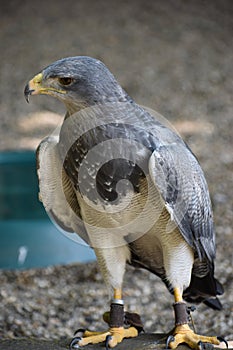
x=35, y=84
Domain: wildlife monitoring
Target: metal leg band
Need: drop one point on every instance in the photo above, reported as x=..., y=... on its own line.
x=117, y=301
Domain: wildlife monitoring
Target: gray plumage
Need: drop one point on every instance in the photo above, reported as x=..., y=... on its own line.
x=127, y=184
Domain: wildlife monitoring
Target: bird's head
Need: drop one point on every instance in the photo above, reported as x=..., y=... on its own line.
x=78, y=82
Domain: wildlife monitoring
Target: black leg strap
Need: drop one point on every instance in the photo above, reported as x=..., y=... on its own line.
x=181, y=314
x=133, y=320
x=116, y=315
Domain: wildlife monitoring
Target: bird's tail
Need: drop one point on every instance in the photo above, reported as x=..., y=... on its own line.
x=204, y=289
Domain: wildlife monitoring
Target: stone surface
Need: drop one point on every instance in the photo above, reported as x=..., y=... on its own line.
x=143, y=342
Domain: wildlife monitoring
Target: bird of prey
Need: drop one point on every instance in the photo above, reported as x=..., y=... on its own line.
x=131, y=188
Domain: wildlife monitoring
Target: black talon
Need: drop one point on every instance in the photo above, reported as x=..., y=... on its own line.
x=107, y=340
x=201, y=345
x=80, y=330
x=74, y=343
x=221, y=339
x=169, y=340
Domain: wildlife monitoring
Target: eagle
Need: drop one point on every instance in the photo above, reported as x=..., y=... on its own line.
x=122, y=179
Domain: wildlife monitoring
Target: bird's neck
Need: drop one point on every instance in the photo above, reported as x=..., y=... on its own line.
x=77, y=106
x=73, y=108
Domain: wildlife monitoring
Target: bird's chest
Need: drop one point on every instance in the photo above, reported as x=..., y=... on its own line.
x=133, y=216
x=108, y=167
x=107, y=164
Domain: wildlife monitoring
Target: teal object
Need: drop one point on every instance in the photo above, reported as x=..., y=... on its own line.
x=27, y=236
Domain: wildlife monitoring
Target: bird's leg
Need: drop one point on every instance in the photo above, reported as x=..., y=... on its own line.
x=116, y=332
x=116, y=322
x=182, y=332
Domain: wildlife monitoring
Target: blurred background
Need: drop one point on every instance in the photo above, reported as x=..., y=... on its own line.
x=173, y=56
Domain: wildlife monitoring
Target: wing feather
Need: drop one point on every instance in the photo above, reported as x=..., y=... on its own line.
x=177, y=174
x=56, y=191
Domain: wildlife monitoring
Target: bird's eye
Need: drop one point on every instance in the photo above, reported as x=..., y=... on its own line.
x=65, y=81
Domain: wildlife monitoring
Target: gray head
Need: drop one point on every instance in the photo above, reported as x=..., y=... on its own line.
x=77, y=81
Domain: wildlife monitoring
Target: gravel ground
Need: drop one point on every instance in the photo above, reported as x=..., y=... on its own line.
x=174, y=57
x=53, y=302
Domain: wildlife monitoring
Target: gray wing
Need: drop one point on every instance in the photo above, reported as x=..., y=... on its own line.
x=177, y=174
x=56, y=191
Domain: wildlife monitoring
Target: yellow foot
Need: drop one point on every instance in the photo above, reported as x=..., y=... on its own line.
x=183, y=334
x=112, y=337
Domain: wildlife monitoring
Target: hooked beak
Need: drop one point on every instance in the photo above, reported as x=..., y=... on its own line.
x=33, y=87
x=28, y=92
x=37, y=86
